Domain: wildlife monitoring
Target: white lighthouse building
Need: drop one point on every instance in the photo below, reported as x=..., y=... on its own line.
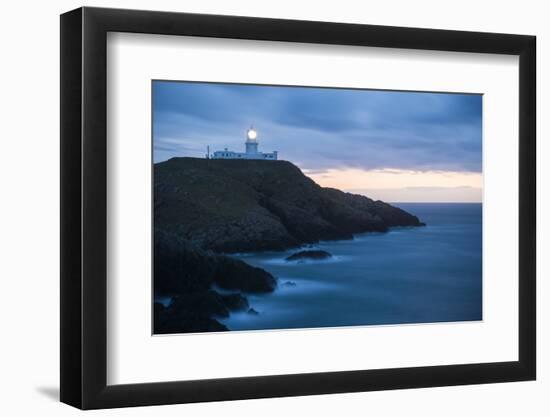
x=251, y=150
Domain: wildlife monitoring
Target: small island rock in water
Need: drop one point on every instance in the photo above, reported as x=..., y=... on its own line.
x=309, y=254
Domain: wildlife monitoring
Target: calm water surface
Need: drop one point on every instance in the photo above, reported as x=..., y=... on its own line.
x=408, y=275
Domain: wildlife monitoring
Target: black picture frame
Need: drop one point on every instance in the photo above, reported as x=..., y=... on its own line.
x=84, y=207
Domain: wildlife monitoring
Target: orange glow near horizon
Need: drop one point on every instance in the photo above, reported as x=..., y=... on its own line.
x=404, y=185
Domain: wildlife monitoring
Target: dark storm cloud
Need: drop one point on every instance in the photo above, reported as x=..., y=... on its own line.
x=322, y=128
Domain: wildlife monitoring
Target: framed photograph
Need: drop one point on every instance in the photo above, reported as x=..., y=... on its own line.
x=257, y=208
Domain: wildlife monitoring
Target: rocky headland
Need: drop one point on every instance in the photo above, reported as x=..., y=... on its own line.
x=205, y=209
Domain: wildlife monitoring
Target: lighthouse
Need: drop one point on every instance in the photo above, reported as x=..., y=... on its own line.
x=251, y=142
x=251, y=149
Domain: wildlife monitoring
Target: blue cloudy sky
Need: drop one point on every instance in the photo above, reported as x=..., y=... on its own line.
x=396, y=146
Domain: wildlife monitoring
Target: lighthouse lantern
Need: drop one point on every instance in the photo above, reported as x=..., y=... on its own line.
x=251, y=134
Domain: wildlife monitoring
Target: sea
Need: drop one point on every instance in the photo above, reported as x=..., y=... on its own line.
x=407, y=275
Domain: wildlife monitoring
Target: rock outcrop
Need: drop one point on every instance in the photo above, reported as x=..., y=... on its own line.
x=309, y=254
x=187, y=274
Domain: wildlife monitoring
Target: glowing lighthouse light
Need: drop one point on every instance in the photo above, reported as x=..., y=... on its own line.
x=251, y=142
x=252, y=134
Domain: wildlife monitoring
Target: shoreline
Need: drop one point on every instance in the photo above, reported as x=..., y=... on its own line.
x=379, y=269
x=306, y=246
x=280, y=260
x=280, y=256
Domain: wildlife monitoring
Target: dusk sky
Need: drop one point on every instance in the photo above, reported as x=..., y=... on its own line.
x=392, y=146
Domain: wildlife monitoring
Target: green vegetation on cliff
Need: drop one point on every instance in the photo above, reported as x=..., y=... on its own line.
x=248, y=205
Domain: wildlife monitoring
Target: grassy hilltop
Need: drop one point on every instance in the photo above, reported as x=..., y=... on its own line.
x=248, y=205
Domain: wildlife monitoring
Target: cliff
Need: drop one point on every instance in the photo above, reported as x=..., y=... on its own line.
x=204, y=208
x=246, y=205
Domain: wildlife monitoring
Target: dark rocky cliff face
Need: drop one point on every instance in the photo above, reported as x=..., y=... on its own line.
x=183, y=268
x=188, y=275
x=236, y=206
